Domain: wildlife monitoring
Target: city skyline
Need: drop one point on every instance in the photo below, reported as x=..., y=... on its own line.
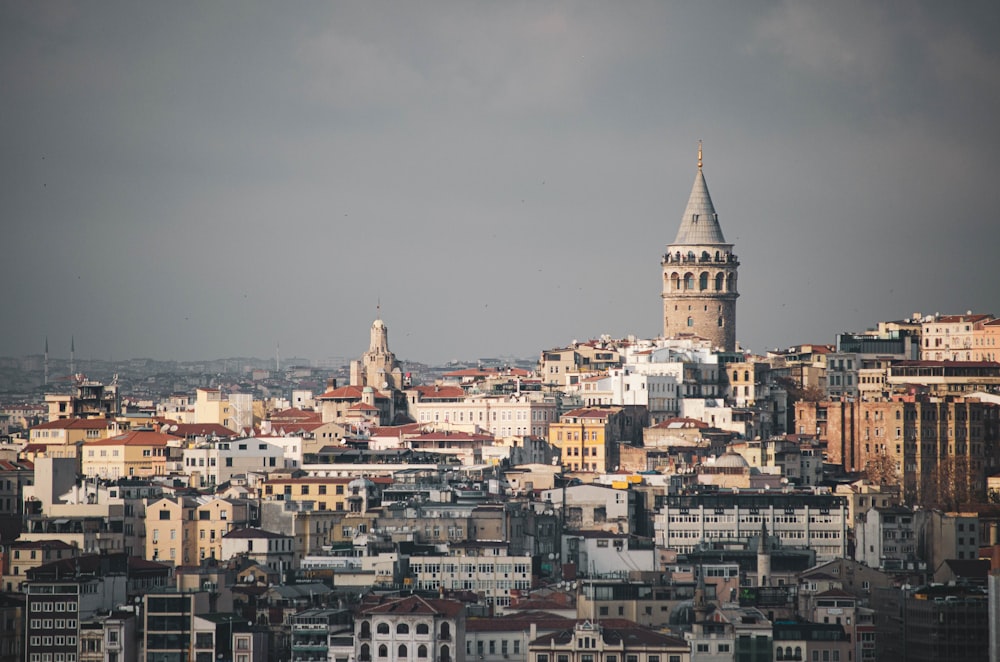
x=227, y=179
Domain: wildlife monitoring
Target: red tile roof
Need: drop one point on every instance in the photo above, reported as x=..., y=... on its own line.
x=416, y=605
x=136, y=438
x=348, y=393
x=75, y=424
x=439, y=392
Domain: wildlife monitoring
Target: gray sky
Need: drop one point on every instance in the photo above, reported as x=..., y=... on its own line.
x=191, y=180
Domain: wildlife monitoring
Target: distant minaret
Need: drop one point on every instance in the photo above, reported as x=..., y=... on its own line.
x=763, y=557
x=72, y=355
x=277, y=357
x=46, y=360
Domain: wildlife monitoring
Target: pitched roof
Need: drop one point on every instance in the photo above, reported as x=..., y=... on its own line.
x=201, y=430
x=74, y=424
x=439, y=392
x=136, y=438
x=414, y=604
x=700, y=223
x=348, y=393
x=242, y=534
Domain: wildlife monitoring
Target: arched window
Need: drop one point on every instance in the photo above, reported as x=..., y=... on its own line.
x=788, y=652
x=798, y=652
x=675, y=281
x=705, y=257
x=716, y=256
x=690, y=321
x=689, y=281
x=422, y=651
x=366, y=630
x=383, y=651
x=720, y=322
x=445, y=651
x=691, y=256
x=731, y=283
x=423, y=628
x=382, y=628
x=736, y=376
x=445, y=631
x=366, y=652
x=746, y=375
x=778, y=654
x=719, y=279
x=703, y=281
x=402, y=628
x=402, y=651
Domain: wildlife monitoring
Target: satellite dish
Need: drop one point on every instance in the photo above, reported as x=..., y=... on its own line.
x=173, y=428
x=385, y=384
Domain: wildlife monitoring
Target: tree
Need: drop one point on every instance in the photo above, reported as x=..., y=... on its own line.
x=949, y=485
x=880, y=469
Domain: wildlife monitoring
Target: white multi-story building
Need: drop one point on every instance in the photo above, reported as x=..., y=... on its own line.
x=216, y=462
x=797, y=519
x=411, y=628
x=492, y=574
x=501, y=416
x=623, y=386
x=887, y=537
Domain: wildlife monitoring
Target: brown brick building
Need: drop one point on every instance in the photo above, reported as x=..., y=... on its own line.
x=916, y=437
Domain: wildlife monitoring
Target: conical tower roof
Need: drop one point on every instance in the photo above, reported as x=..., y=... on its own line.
x=700, y=224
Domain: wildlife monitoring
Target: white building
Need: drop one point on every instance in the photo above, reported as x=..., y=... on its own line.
x=411, y=628
x=502, y=416
x=268, y=549
x=798, y=519
x=624, y=386
x=215, y=462
x=493, y=574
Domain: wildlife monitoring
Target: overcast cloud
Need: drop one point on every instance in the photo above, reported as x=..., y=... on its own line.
x=196, y=180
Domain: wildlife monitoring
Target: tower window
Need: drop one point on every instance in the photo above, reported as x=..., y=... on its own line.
x=720, y=321
x=690, y=321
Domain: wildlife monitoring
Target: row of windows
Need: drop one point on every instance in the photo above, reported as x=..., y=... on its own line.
x=48, y=657
x=481, y=647
x=53, y=606
x=57, y=640
x=48, y=623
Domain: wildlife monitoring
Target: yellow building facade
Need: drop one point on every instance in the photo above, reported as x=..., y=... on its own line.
x=139, y=454
x=586, y=439
x=185, y=530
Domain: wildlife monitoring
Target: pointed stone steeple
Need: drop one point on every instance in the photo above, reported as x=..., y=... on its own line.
x=700, y=223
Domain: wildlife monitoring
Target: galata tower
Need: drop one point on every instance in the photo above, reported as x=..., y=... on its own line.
x=699, y=274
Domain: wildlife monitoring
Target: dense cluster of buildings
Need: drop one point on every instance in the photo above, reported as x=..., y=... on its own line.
x=675, y=499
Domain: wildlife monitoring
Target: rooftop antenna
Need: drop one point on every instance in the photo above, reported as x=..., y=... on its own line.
x=277, y=357
x=72, y=355
x=699, y=155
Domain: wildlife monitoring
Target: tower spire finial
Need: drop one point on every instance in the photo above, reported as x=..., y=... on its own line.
x=699, y=155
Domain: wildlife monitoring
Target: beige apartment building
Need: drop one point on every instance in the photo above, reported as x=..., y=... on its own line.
x=951, y=337
x=986, y=341
x=135, y=454
x=185, y=530
x=62, y=437
x=211, y=407
x=501, y=416
x=564, y=366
